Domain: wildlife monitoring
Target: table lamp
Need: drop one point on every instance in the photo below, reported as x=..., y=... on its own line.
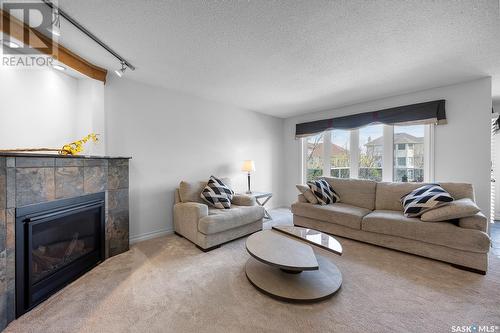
x=248, y=166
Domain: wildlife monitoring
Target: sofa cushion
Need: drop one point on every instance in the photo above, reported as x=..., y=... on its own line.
x=338, y=213
x=389, y=194
x=454, y=210
x=394, y=223
x=323, y=192
x=425, y=198
x=356, y=192
x=219, y=220
x=307, y=193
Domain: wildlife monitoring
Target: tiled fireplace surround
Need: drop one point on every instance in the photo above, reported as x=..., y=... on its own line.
x=30, y=179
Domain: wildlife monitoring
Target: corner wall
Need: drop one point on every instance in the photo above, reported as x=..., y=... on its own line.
x=172, y=136
x=462, y=147
x=47, y=108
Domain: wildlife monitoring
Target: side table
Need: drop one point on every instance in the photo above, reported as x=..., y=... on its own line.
x=262, y=198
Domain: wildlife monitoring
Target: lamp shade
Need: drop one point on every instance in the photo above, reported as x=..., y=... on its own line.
x=248, y=166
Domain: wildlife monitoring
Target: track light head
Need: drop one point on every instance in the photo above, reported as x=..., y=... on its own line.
x=59, y=68
x=122, y=70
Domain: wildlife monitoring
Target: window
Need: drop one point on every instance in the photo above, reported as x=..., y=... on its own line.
x=340, y=154
x=412, y=169
x=371, y=150
x=377, y=152
x=314, y=157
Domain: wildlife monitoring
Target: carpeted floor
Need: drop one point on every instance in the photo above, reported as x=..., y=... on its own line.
x=168, y=285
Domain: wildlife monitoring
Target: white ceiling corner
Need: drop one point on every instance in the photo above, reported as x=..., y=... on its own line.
x=290, y=57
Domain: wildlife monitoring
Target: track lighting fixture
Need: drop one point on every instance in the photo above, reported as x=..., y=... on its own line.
x=122, y=70
x=59, y=67
x=56, y=25
x=11, y=44
x=55, y=28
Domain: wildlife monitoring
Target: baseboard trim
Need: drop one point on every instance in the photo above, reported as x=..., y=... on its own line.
x=150, y=235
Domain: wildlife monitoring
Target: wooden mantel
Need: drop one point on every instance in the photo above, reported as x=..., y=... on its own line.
x=39, y=41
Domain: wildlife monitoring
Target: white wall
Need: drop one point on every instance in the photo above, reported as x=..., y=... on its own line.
x=47, y=108
x=172, y=137
x=462, y=147
x=496, y=148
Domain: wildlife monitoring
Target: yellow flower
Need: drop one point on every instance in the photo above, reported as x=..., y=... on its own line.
x=76, y=147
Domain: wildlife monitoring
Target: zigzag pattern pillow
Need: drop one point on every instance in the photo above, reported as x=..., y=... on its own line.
x=217, y=194
x=424, y=199
x=323, y=192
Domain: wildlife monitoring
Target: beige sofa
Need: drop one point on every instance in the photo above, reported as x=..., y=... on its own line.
x=209, y=227
x=371, y=212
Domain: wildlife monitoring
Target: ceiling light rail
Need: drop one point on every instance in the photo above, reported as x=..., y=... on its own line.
x=61, y=12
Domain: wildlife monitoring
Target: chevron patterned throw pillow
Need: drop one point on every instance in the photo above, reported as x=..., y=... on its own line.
x=323, y=192
x=424, y=199
x=217, y=194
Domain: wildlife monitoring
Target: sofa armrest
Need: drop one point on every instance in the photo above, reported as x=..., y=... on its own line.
x=243, y=200
x=186, y=217
x=477, y=222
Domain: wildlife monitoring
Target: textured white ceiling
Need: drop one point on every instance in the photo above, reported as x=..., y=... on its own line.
x=291, y=57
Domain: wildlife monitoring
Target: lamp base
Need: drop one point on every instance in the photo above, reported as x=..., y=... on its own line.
x=248, y=192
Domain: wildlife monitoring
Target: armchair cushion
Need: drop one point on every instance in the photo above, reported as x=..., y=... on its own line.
x=243, y=200
x=220, y=220
x=190, y=191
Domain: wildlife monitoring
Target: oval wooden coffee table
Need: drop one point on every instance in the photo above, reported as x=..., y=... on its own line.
x=283, y=265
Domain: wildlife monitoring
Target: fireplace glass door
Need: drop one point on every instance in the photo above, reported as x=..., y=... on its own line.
x=56, y=242
x=62, y=241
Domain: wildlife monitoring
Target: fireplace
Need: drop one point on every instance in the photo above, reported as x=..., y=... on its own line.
x=56, y=242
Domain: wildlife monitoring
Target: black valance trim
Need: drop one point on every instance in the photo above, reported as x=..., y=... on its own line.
x=422, y=113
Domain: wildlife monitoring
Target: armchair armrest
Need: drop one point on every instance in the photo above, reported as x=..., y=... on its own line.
x=243, y=200
x=190, y=210
x=186, y=217
x=477, y=222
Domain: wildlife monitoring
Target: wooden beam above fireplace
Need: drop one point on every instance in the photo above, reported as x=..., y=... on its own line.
x=35, y=39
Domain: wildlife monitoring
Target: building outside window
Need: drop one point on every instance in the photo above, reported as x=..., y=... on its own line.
x=340, y=156
x=314, y=160
x=366, y=153
x=371, y=152
x=410, y=149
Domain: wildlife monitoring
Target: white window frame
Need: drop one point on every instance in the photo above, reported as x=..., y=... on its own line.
x=387, y=157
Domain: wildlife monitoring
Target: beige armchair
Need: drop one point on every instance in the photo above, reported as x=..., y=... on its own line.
x=207, y=227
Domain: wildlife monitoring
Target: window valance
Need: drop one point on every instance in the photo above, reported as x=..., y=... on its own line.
x=422, y=113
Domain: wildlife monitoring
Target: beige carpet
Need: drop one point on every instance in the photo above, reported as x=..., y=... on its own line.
x=167, y=285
